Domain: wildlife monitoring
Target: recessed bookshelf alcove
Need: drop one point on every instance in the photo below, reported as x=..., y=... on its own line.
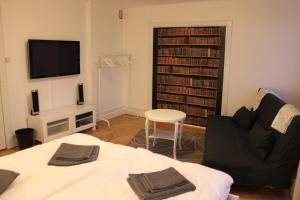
x=188, y=65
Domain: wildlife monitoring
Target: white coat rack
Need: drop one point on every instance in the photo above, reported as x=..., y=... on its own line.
x=115, y=61
x=111, y=61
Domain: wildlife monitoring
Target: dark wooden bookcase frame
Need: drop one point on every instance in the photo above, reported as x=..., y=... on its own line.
x=199, y=49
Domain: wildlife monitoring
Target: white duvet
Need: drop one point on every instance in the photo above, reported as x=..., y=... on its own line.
x=104, y=178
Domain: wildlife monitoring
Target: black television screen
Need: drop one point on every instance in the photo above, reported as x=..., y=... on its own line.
x=49, y=58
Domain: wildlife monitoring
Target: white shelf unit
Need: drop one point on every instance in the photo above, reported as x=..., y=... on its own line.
x=56, y=123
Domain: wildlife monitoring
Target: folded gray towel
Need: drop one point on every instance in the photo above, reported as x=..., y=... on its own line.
x=62, y=162
x=141, y=192
x=163, y=179
x=138, y=182
x=74, y=152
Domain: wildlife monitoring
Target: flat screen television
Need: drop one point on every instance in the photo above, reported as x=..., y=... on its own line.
x=50, y=58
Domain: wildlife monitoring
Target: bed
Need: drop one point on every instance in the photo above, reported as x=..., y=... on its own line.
x=104, y=178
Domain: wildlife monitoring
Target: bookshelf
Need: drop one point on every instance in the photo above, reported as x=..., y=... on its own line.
x=188, y=65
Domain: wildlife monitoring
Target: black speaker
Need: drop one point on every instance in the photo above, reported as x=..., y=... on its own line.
x=35, y=102
x=80, y=97
x=121, y=15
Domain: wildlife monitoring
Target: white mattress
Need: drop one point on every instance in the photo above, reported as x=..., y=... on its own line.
x=104, y=178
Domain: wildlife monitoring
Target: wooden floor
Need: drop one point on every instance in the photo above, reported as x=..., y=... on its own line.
x=124, y=128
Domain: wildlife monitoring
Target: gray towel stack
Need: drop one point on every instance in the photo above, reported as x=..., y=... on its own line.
x=71, y=154
x=159, y=185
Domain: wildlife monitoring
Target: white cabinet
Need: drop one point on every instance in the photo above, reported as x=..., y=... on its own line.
x=56, y=123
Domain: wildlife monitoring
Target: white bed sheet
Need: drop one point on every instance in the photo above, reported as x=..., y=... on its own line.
x=104, y=178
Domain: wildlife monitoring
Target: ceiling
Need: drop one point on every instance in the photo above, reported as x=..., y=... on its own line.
x=137, y=3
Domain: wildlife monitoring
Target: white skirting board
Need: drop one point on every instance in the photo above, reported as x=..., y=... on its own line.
x=118, y=111
x=110, y=113
x=134, y=111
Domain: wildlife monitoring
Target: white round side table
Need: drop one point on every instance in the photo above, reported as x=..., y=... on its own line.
x=168, y=116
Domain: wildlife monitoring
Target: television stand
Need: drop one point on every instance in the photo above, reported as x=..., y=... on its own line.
x=56, y=123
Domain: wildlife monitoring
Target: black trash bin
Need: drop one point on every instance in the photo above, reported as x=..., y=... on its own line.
x=25, y=137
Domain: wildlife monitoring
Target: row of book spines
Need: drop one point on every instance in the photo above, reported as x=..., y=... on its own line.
x=189, y=110
x=191, y=52
x=174, y=80
x=201, y=101
x=189, y=31
x=189, y=40
x=186, y=91
x=196, y=121
x=188, y=61
x=186, y=99
x=188, y=71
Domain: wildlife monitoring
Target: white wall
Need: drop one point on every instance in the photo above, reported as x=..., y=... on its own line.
x=36, y=19
x=264, y=46
x=106, y=31
x=94, y=23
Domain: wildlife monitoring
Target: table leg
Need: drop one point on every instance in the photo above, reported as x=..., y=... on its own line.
x=154, y=132
x=180, y=135
x=147, y=133
x=175, y=139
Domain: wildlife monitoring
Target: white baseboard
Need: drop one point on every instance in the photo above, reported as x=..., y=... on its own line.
x=110, y=113
x=118, y=111
x=135, y=111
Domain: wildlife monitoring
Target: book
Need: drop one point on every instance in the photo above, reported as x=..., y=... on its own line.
x=204, y=40
x=204, y=83
x=196, y=120
x=172, y=89
x=189, y=52
x=173, y=80
x=201, y=101
x=198, y=111
x=203, y=92
x=189, y=31
x=171, y=97
x=173, y=106
x=188, y=61
x=164, y=69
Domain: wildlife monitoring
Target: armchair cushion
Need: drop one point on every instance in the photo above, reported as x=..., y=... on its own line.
x=268, y=109
x=244, y=117
x=259, y=141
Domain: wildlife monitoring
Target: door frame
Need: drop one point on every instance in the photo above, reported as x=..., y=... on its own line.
x=3, y=86
x=226, y=73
